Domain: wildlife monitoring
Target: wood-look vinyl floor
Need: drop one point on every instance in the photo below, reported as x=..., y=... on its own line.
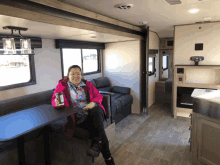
x=160, y=140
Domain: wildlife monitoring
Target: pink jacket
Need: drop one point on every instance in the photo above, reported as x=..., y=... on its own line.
x=94, y=95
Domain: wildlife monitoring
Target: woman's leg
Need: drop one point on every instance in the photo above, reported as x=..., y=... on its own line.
x=94, y=124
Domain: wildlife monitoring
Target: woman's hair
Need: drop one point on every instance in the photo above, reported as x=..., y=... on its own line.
x=71, y=67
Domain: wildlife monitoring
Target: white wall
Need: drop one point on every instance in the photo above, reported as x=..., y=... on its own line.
x=165, y=74
x=48, y=72
x=153, y=44
x=151, y=83
x=122, y=67
x=186, y=37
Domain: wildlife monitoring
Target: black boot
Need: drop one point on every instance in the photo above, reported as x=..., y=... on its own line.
x=95, y=149
x=110, y=162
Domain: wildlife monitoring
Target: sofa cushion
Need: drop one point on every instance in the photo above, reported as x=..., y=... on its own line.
x=108, y=89
x=57, y=125
x=117, y=105
x=125, y=99
x=78, y=132
x=8, y=145
x=24, y=102
x=116, y=95
x=102, y=82
x=122, y=90
x=93, y=82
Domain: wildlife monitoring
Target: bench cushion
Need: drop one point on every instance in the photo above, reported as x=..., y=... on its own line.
x=24, y=102
x=102, y=82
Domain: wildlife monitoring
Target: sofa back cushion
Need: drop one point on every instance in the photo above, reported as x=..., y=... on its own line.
x=24, y=102
x=108, y=89
x=93, y=82
x=102, y=82
x=122, y=90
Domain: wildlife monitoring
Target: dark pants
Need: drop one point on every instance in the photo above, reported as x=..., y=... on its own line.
x=94, y=123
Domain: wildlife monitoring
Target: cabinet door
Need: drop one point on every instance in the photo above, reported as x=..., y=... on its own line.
x=209, y=143
x=162, y=43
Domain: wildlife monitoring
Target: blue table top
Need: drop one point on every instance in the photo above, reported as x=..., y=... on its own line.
x=19, y=123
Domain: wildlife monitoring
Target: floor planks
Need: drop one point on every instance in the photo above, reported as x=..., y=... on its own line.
x=160, y=140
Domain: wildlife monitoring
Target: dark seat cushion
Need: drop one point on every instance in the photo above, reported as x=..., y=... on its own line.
x=117, y=105
x=8, y=145
x=81, y=133
x=116, y=95
x=125, y=99
x=78, y=132
x=122, y=90
x=102, y=82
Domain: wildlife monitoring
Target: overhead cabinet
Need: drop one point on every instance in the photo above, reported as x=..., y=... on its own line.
x=166, y=43
x=153, y=41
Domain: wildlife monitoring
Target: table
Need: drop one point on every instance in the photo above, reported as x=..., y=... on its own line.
x=17, y=124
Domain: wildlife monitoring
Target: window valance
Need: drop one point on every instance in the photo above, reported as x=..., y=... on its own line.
x=78, y=44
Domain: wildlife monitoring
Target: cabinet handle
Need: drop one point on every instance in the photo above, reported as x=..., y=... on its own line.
x=189, y=140
x=190, y=128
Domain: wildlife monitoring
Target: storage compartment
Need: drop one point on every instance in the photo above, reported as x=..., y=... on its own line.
x=180, y=70
x=201, y=76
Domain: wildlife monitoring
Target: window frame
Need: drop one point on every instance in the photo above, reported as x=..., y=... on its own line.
x=167, y=64
x=32, y=81
x=154, y=67
x=83, y=74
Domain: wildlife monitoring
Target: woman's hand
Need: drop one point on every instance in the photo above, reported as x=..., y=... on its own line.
x=57, y=102
x=90, y=106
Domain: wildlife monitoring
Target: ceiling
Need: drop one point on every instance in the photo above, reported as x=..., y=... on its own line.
x=160, y=15
x=44, y=30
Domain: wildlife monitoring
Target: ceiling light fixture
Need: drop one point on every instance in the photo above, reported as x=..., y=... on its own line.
x=9, y=42
x=124, y=6
x=193, y=10
x=143, y=23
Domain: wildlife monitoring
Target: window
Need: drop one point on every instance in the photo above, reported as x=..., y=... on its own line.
x=87, y=59
x=16, y=71
x=151, y=66
x=165, y=62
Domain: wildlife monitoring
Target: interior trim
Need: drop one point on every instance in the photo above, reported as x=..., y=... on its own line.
x=78, y=44
x=39, y=8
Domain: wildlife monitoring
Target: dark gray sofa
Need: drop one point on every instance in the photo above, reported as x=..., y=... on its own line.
x=120, y=98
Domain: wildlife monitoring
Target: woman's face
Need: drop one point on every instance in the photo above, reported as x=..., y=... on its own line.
x=75, y=76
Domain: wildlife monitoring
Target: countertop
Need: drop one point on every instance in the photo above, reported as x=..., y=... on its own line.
x=207, y=94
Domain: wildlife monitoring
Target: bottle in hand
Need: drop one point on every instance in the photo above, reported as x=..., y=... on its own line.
x=59, y=99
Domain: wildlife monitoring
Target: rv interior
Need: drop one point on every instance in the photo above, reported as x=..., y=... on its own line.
x=155, y=62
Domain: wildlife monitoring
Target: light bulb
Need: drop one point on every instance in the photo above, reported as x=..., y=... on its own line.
x=8, y=44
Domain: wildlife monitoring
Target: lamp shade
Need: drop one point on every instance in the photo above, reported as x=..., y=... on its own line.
x=9, y=45
x=25, y=46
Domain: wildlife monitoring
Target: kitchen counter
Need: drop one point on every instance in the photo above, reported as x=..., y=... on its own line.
x=206, y=102
x=207, y=94
x=205, y=129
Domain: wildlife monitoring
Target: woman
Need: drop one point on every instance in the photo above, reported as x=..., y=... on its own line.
x=85, y=95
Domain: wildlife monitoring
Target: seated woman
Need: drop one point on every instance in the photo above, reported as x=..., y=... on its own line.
x=85, y=95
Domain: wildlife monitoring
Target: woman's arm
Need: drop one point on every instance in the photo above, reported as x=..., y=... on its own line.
x=54, y=98
x=97, y=97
